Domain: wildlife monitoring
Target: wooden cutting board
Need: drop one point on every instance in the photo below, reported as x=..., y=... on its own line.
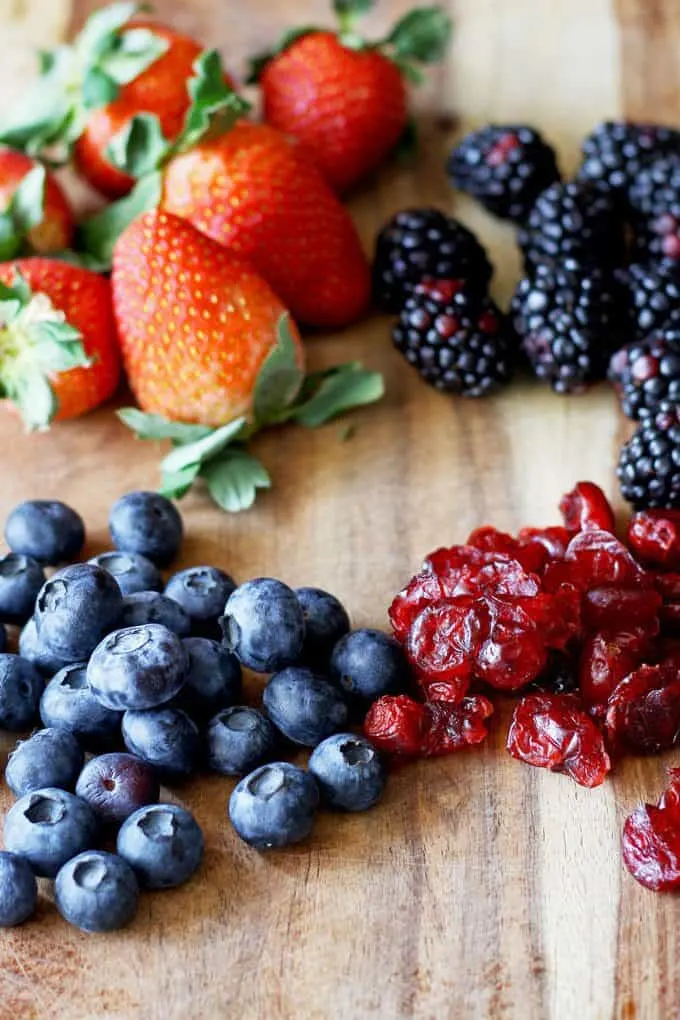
x=479, y=888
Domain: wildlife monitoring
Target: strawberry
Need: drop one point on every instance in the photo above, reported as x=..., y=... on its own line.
x=343, y=98
x=58, y=347
x=34, y=212
x=251, y=189
x=118, y=66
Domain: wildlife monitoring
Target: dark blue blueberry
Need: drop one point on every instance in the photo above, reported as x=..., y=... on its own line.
x=263, y=625
x=213, y=680
x=369, y=663
x=274, y=806
x=146, y=523
x=75, y=609
x=163, y=844
x=240, y=739
x=20, y=688
x=50, y=757
x=326, y=621
x=116, y=785
x=349, y=772
x=3, y=638
x=202, y=592
x=138, y=667
x=97, y=891
x=132, y=571
x=165, y=738
x=69, y=704
x=303, y=706
x=21, y=578
x=152, y=607
x=18, y=890
x=48, y=827
x=32, y=648
x=47, y=530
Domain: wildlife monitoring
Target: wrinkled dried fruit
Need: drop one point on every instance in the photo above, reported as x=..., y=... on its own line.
x=606, y=658
x=399, y=725
x=643, y=711
x=552, y=731
x=668, y=586
x=515, y=651
x=444, y=637
x=531, y=556
x=651, y=840
x=586, y=506
x=611, y=608
x=554, y=540
x=654, y=537
x=598, y=558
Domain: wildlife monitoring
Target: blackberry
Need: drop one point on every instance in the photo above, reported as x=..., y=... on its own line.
x=647, y=372
x=616, y=151
x=559, y=675
x=649, y=463
x=655, y=294
x=456, y=340
x=655, y=198
x=574, y=220
x=569, y=320
x=505, y=167
x=419, y=243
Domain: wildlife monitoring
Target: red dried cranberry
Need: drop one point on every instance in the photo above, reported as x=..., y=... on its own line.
x=654, y=537
x=552, y=731
x=442, y=690
x=643, y=711
x=612, y=608
x=597, y=558
x=399, y=725
x=554, y=540
x=421, y=590
x=669, y=615
x=586, y=506
x=444, y=637
x=450, y=558
x=606, y=658
x=453, y=727
x=668, y=586
x=651, y=841
x=515, y=651
x=488, y=539
x=557, y=614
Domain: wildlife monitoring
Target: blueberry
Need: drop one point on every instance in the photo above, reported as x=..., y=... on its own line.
x=138, y=667
x=240, y=739
x=18, y=890
x=165, y=738
x=48, y=827
x=349, y=772
x=213, y=680
x=47, y=530
x=152, y=607
x=69, y=704
x=263, y=625
x=32, y=648
x=96, y=891
x=132, y=571
x=274, y=806
x=163, y=843
x=303, y=706
x=21, y=578
x=369, y=663
x=50, y=757
x=146, y=523
x=75, y=609
x=202, y=592
x=3, y=638
x=116, y=785
x=20, y=688
x=326, y=621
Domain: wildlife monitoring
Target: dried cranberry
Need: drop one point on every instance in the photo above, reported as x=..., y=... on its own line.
x=450, y=558
x=669, y=615
x=453, y=727
x=399, y=725
x=421, y=590
x=606, y=658
x=651, y=840
x=612, y=608
x=488, y=539
x=586, y=506
x=554, y=540
x=558, y=614
x=552, y=731
x=597, y=558
x=654, y=536
x=444, y=637
x=668, y=586
x=643, y=711
x=515, y=651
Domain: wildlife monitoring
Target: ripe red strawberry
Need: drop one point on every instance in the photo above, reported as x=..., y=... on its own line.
x=345, y=99
x=58, y=346
x=195, y=323
x=34, y=212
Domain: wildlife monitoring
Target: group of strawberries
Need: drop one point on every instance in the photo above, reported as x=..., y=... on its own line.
x=218, y=224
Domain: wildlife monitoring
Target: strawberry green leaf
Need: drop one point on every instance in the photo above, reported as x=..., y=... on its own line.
x=27, y=206
x=34, y=398
x=80, y=259
x=140, y=147
x=349, y=386
x=10, y=240
x=204, y=449
x=43, y=112
x=175, y=485
x=422, y=35
x=98, y=89
x=214, y=108
x=131, y=53
x=280, y=377
x=407, y=146
x=155, y=426
x=95, y=37
x=97, y=235
x=234, y=479
x=258, y=63
x=347, y=12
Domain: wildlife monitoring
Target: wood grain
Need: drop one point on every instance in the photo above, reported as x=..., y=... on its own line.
x=478, y=889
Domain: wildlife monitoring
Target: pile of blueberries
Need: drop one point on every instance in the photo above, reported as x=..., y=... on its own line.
x=110, y=656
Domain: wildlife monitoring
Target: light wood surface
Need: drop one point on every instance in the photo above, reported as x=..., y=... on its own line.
x=479, y=888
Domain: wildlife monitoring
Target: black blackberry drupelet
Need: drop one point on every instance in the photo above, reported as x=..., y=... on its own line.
x=647, y=372
x=649, y=463
x=655, y=295
x=655, y=199
x=457, y=340
x=616, y=151
x=559, y=675
x=505, y=167
x=573, y=221
x=417, y=243
x=569, y=320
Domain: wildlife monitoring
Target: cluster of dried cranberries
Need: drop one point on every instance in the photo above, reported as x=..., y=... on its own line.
x=585, y=626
